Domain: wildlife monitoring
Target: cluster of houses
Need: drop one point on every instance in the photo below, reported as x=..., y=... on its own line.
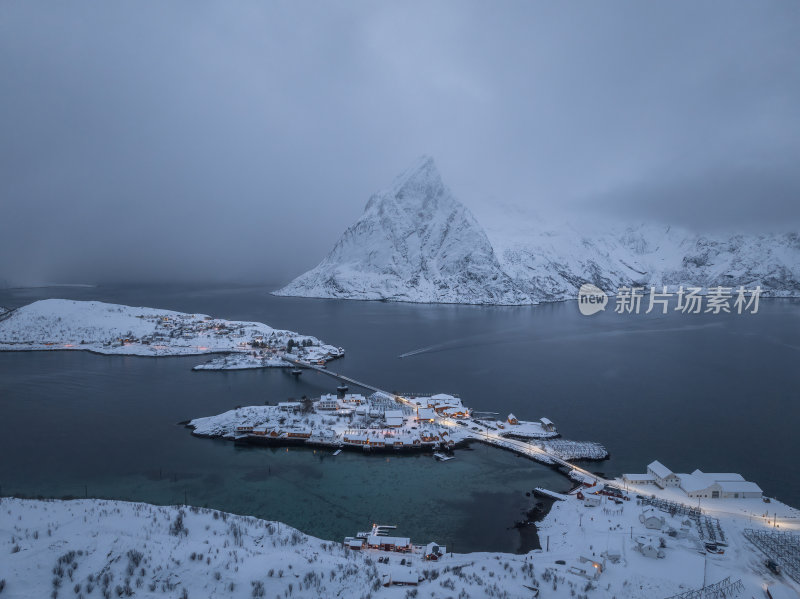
x=379, y=422
x=514, y=427
x=240, y=338
x=698, y=484
x=353, y=420
x=185, y=327
x=378, y=538
x=441, y=404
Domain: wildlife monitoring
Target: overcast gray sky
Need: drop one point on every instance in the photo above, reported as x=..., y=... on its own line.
x=197, y=140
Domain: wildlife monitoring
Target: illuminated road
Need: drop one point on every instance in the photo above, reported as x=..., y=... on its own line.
x=521, y=447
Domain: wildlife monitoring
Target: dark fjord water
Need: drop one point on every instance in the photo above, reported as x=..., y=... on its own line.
x=718, y=392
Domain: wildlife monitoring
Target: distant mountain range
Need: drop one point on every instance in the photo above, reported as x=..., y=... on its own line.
x=416, y=242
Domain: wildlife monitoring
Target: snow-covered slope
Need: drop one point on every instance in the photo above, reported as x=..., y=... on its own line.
x=416, y=242
x=97, y=548
x=116, y=329
x=550, y=262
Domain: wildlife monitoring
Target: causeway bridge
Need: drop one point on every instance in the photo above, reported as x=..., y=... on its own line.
x=521, y=447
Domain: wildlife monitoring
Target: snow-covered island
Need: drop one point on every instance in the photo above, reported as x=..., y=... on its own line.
x=382, y=423
x=57, y=324
x=416, y=242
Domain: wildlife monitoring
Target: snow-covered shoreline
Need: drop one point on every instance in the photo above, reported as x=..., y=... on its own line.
x=113, y=329
x=86, y=548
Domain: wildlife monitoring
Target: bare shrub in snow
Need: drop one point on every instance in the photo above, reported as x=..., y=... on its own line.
x=258, y=588
x=177, y=527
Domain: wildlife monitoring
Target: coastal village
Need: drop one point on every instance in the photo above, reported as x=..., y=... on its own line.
x=115, y=329
x=379, y=422
x=655, y=534
x=603, y=540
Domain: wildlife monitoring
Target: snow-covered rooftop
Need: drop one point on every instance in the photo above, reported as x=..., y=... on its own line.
x=739, y=487
x=659, y=469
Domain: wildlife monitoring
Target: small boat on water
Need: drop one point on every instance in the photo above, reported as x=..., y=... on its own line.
x=442, y=457
x=337, y=452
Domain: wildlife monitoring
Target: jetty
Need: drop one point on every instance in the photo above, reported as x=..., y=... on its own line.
x=541, y=491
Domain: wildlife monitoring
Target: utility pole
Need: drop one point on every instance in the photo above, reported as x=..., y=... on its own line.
x=705, y=567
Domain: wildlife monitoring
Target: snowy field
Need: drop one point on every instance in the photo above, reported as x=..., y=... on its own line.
x=56, y=324
x=617, y=531
x=97, y=548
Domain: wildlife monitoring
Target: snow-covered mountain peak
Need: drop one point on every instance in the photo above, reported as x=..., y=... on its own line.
x=416, y=242
x=416, y=191
x=421, y=176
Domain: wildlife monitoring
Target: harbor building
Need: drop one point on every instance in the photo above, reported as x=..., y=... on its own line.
x=698, y=484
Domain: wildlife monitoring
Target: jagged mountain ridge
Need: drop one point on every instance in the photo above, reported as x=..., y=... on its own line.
x=416, y=242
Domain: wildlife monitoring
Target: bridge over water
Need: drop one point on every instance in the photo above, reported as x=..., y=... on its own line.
x=521, y=447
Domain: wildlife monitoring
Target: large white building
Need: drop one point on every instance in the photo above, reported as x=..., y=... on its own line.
x=328, y=402
x=698, y=484
x=719, y=485
x=663, y=476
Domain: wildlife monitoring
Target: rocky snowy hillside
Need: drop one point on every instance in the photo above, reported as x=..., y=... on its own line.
x=95, y=548
x=550, y=263
x=57, y=324
x=98, y=548
x=416, y=242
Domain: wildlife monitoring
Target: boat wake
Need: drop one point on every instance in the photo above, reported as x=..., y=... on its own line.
x=421, y=350
x=468, y=341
